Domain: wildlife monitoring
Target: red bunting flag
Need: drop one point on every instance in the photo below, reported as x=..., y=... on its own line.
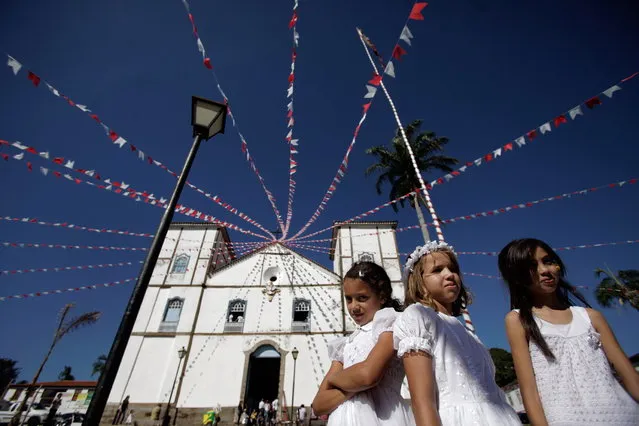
x=592, y=102
x=375, y=80
x=532, y=134
x=398, y=52
x=560, y=119
x=207, y=63
x=293, y=20
x=34, y=79
x=416, y=12
x=366, y=107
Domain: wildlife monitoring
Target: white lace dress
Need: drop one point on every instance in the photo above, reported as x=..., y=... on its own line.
x=463, y=369
x=383, y=404
x=578, y=388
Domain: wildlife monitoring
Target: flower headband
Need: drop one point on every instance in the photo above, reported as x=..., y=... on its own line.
x=429, y=247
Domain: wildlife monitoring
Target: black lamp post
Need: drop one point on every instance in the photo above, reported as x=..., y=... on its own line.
x=208, y=119
x=294, y=352
x=166, y=420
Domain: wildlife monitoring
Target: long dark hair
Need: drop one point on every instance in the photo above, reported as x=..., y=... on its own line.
x=517, y=268
x=377, y=279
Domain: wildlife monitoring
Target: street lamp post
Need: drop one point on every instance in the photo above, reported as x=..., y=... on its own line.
x=208, y=119
x=166, y=420
x=295, y=352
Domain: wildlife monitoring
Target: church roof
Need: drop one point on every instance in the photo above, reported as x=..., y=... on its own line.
x=337, y=224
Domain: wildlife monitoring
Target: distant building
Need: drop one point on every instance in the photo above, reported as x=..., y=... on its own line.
x=76, y=394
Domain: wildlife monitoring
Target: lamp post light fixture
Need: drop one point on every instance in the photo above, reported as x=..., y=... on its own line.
x=295, y=353
x=166, y=420
x=208, y=118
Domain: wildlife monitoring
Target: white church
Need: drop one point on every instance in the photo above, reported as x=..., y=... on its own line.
x=239, y=320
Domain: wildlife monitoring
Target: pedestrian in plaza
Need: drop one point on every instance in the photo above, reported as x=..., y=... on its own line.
x=120, y=414
x=155, y=415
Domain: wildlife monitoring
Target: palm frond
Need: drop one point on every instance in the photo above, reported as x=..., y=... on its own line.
x=80, y=321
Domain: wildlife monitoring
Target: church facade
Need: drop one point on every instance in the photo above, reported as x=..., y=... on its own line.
x=240, y=320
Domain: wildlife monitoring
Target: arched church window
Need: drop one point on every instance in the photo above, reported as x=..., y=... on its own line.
x=180, y=264
x=172, y=314
x=366, y=257
x=235, y=316
x=301, y=315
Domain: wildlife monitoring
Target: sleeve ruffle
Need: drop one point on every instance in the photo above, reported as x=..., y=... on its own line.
x=415, y=330
x=336, y=349
x=383, y=321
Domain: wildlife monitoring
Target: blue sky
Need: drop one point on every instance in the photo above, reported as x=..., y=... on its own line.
x=480, y=73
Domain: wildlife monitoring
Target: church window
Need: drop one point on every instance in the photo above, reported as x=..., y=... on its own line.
x=301, y=315
x=366, y=257
x=180, y=264
x=235, y=316
x=172, y=314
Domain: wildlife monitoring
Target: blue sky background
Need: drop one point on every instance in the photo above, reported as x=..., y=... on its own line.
x=480, y=73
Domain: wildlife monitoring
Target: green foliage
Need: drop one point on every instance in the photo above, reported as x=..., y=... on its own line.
x=622, y=288
x=98, y=365
x=8, y=372
x=65, y=374
x=504, y=366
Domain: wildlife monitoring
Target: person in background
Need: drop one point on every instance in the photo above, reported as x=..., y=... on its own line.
x=155, y=415
x=120, y=414
x=276, y=408
x=130, y=419
x=55, y=406
x=244, y=417
x=301, y=414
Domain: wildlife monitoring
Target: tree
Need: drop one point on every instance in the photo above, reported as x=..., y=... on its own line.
x=396, y=168
x=504, y=366
x=8, y=372
x=65, y=374
x=64, y=328
x=623, y=287
x=98, y=365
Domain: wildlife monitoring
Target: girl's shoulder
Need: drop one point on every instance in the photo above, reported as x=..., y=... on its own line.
x=383, y=321
x=417, y=310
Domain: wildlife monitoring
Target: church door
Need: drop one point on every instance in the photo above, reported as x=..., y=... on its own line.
x=263, y=376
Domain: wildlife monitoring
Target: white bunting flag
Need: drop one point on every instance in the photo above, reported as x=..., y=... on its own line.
x=200, y=47
x=289, y=107
x=406, y=35
x=575, y=112
x=291, y=122
x=296, y=37
x=90, y=173
x=613, y=89
x=120, y=141
x=289, y=91
x=478, y=162
x=497, y=153
x=19, y=156
x=294, y=142
x=140, y=154
x=52, y=89
x=44, y=155
x=520, y=141
x=44, y=170
x=390, y=69
x=19, y=145
x=371, y=92
x=69, y=164
x=289, y=135
x=544, y=128
x=14, y=65
x=83, y=108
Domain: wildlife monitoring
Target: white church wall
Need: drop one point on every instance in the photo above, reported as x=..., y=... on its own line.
x=126, y=366
x=187, y=315
x=364, y=241
x=387, y=238
x=160, y=271
x=147, y=309
x=241, y=273
x=189, y=244
x=345, y=238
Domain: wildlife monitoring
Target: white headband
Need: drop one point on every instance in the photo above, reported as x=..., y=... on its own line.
x=429, y=247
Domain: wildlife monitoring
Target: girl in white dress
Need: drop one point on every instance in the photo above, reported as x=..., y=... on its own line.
x=363, y=384
x=450, y=373
x=562, y=353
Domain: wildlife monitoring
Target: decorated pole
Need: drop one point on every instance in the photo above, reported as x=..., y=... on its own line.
x=429, y=204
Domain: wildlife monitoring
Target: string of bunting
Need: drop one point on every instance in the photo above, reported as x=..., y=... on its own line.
x=67, y=225
x=292, y=143
x=66, y=290
x=68, y=268
x=566, y=248
x=118, y=140
x=371, y=90
x=67, y=246
x=354, y=218
x=244, y=144
x=126, y=193
x=533, y=134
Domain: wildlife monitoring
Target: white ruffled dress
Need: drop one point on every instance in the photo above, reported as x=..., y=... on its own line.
x=383, y=404
x=463, y=369
x=578, y=387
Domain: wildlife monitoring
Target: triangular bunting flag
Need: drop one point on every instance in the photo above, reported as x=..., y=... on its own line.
x=613, y=89
x=294, y=142
x=520, y=141
x=593, y=102
x=44, y=170
x=375, y=80
x=532, y=134
x=371, y=92
x=390, y=69
x=120, y=141
x=575, y=112
x=560, y=119
x=289, y=91
x=34, y=79
x=293, y=21
x=398, y=52
x=296, y=37
x=416, y=12
x=545, y=128
x=406, y=35
x=14, y=65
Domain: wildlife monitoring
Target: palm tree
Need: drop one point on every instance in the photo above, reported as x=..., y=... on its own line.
x=64, y=328
x=66, y=374
x=98, y=365
x=395, y=166
x=623, y=287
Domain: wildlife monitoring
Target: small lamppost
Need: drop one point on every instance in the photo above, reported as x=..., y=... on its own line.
x=167, y=419
x=208, y=119
x=294, y=352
